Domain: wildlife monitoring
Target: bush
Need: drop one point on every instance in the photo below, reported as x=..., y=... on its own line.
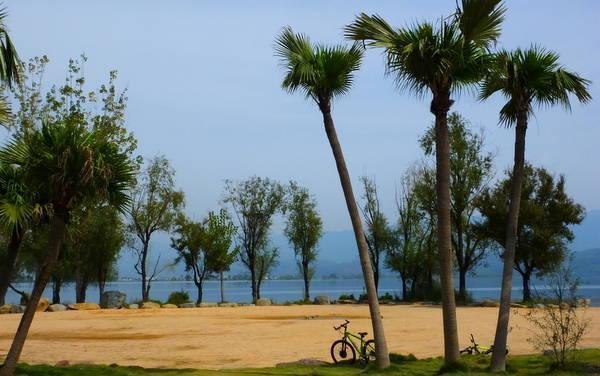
x=179, y=297
x=347, y=297
x=387, y=296
x=558, y=328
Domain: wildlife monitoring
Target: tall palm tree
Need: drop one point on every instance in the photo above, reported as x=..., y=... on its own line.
x=526, y=78
x=324, y=73
x=441, y=58
x=65, y=165
x=9, y=66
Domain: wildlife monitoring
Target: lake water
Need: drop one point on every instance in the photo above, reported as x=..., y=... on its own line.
x=281, y=290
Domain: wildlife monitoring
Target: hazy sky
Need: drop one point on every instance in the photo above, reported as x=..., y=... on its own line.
x=204, y=89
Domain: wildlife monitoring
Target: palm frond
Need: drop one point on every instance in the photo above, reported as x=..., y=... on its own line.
x=480, y=21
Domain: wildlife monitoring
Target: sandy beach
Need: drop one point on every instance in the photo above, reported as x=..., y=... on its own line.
x=229, y=337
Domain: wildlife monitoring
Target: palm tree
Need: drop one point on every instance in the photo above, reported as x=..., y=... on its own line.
x=18, y=211
x=9, y=66
x=65, y=165
x=441, y=59
x=526, y=78
x=324, y=73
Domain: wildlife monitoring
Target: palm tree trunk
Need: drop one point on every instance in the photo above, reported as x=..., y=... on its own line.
x=8, y=266
x=442, y=156
x=381, y=350
x=499, y=353
x=57, y=226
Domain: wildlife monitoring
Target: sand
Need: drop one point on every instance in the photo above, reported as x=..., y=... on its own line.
x=227, y=337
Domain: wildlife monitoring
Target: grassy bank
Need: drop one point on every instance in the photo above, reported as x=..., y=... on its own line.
x=586, y=362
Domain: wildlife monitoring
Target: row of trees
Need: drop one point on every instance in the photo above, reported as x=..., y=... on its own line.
x=437, y=58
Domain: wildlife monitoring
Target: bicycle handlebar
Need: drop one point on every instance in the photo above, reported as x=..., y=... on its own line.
x=344, y=325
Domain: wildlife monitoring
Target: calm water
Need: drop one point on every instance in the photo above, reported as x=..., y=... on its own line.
x=279, y=290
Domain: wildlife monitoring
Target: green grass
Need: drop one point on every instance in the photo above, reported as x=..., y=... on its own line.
x=586, y=362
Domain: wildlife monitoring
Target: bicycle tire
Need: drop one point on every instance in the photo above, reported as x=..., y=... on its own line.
x=368, y=351
x=342, y=350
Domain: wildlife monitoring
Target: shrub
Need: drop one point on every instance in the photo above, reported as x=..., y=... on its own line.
x=179, y=297
x=558, y=328
x=347, y=297
x=387, y=296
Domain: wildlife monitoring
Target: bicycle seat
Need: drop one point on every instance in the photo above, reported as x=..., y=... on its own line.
x=362, y=334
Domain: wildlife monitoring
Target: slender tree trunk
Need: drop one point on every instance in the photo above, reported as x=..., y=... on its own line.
x=253, y=282
x=57, y=226
x=56, y=285
x=81, y=285
x=7, y=268
x=222, y=288
x=258, y=283
x=145, y=287
x=199, y=296
x=404, y=297
x=440, y=107
x=381, y=350
x=306, y=282
x=526, y=287
x=376, y=277
x=499, y=353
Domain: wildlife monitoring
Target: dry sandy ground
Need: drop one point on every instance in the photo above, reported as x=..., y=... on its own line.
x=244, y=336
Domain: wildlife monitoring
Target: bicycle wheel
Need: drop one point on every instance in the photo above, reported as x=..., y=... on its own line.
x=342, y=351
x=368, y=351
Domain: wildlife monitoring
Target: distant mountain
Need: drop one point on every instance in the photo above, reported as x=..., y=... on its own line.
x=338, y=255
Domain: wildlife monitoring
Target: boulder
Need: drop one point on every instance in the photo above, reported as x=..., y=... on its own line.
x=490, y=303
x=62, y=363
x=84, y=306
x=517, y=305
x=539, y=305
x=57, y=308
x=263, y=302
x=228, y=304
x=112, y=299
x=187, y=305
x=322, y=300
x=149, y=305
x=584, y=302
x=346, y=301
x=17, y=308
x=42, y=305
x=133, y=306
x=207, y=304
x=5, y=308
x=303, y=362
x=168, y=305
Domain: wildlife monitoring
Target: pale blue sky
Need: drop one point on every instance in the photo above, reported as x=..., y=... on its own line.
x=204, y=89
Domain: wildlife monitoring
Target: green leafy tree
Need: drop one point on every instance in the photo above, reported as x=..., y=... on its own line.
x=471, y=170
x=526, y=78
x=439, y=58
x=97, y=240
x=303, y=229
x=189, y=243
x=255, y=201
x=266, y=260
x=324, y=73
x=378, y=231
x=32, y=106
x=407, y=254
x=544, y=226
x=219, y=235
x=66, y=164
x=155, y=206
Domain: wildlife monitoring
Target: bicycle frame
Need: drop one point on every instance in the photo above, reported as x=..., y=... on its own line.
x=347, y=335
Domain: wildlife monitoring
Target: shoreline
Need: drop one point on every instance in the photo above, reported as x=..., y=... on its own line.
x=246, y=336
